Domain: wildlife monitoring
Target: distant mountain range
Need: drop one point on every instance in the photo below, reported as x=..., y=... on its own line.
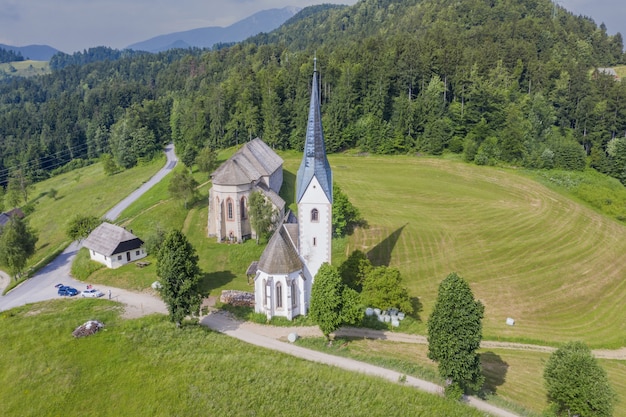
x=34, y=52
x=263, y=21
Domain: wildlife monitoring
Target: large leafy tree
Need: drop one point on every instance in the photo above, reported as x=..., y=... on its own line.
x=262, y=215
x=17, y=244
x=179, y=275
x=183, y=186
x=332, y=303
x=80, y=226
x=345, y=215
x=577, y=384
x=454, y=335
x=382, y=288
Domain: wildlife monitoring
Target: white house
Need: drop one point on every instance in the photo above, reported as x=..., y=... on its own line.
x=287, y=268
x=254, y=167
x=114, y=246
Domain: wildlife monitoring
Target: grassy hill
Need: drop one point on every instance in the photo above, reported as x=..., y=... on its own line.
x=27, y=68
x=529, y=246
x=148, y=367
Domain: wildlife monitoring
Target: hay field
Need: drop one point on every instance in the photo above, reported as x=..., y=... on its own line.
x=529, y=253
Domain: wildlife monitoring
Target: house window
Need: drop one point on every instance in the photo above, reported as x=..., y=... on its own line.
x=119, y=257
x=137, y=253
x=314, y=241
x=242, y=208
x=93, y=252
x=229, y=209
x=294, y=294
x=279, y=295
x=315, y=215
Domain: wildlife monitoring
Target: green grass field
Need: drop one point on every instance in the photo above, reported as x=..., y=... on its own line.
x=533, y=246
x=26, y=68
x=148, y=367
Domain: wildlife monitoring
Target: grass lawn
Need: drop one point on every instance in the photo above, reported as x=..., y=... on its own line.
x=26, y=68
x=148, y=367
x=85, y=191
x=515, y=377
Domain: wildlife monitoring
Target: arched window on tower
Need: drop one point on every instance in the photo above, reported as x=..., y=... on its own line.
x=279, y=295
x=242, y=208
x=230, y=210
x=315, y=216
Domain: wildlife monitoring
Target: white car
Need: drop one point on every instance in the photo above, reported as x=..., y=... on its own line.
x=93, y=293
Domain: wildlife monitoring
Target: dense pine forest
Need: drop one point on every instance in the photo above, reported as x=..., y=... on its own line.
x=498, y=81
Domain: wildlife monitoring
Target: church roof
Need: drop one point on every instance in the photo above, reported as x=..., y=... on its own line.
x=109, y=239
x=280, y=255
x=254, y=160
x=314, y=162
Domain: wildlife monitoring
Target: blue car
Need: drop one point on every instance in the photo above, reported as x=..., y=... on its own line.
x=67, y=291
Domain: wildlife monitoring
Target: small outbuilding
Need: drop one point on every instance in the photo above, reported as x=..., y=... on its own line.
x=114, y=246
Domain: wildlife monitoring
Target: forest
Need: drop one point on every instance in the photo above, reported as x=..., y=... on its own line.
x=512, y=82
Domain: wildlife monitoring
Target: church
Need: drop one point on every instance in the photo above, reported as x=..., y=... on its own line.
x=283, y=276
x=301, y=244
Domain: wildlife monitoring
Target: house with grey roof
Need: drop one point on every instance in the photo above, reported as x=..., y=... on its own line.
x=114, y=246
x=254, y=167
x=6, y=216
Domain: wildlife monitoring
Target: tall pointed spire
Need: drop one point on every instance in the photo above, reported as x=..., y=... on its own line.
x=314, y=162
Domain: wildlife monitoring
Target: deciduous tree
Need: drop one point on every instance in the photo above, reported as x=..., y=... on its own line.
x=17, y=244
x=179, y=275
x=183, y=186
x=80, y=226
x=577, y=384
x=332, y=303
x=382, y=288
x=454, y=335
x=345, y=215
x=262, y=215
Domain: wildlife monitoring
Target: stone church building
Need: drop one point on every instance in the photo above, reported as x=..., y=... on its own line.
x=254, y=167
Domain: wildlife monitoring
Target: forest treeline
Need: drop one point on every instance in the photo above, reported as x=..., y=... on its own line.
x=500, y=81
x=7, y=55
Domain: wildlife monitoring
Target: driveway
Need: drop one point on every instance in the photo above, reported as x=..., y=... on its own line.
x=41, y=286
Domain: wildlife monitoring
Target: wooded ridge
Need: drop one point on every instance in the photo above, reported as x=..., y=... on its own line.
x=500, y=81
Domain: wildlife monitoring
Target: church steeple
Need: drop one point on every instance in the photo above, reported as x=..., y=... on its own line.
x=314, y=162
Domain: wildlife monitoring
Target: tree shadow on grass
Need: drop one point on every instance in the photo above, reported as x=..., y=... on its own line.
x=417, y=308
x=211, y=281
x=380, y=255
x=494, y=370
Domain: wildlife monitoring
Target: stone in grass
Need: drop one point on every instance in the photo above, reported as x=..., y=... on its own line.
x=88, y=328
x=292, y=337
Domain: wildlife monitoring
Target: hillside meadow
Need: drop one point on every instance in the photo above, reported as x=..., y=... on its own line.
x=148, y=367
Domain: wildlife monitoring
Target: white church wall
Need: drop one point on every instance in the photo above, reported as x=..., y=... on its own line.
x=315, y=235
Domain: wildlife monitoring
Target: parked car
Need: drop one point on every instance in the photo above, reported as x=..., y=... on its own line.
x=93, y=293
x=65, y=290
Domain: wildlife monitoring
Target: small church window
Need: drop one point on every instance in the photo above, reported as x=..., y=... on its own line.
x=265, y=293
x=279, y=295
x=244, y=213
x=229, y=209
x=315, y=215
x=314, y=241
x=294, y=294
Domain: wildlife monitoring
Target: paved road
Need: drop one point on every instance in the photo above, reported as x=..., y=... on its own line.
x=41, y=286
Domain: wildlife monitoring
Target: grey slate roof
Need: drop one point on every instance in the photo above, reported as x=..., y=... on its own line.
x=280, y=255
x=254, y=160
x=314, y=162
x=6, y=216
x=109, y=239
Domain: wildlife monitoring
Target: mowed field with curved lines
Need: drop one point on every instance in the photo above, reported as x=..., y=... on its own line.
x=555, y=266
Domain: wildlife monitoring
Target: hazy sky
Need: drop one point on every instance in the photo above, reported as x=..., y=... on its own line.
x=74, y=25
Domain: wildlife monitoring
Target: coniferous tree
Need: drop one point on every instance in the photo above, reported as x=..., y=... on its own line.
x=454, y=335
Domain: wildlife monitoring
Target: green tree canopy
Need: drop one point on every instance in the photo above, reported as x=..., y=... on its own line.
x=332, y=303
x=345, y=215
x=80, y=226
x=382, y=288
x=183, y=186
x=262, y=215
x=206, y=160
x=454, y=335
x=17, y=244
x=577, y=384
x=179, y=275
